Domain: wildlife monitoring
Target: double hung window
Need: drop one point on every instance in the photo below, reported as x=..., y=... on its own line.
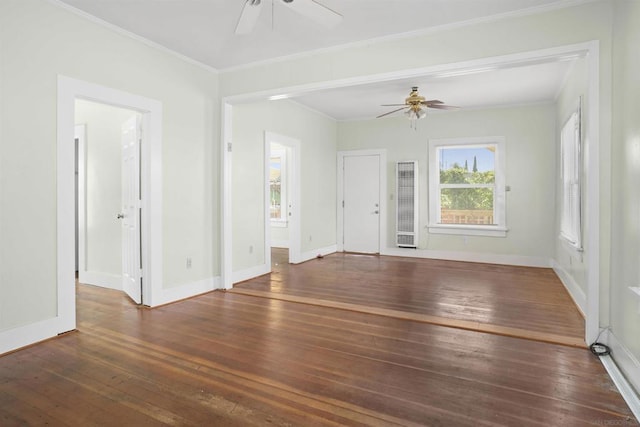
x=570, y=158
x=467, y=186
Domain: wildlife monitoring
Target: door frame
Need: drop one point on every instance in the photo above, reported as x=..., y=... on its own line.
x=382, y=231
x=293, y=191
x=69, y=90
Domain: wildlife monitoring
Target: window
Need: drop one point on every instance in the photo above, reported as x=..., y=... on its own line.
x=278, y=186
x=570, y=222
x=467, y=186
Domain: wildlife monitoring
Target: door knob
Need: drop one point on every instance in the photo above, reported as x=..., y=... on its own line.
x=120, y=216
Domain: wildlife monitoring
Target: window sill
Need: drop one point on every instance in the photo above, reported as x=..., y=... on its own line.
x=278, y=223
x=468, y=230
x=570, y=245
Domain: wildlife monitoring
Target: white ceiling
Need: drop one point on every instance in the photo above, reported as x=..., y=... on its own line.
x=528, y=84
x=203, y=30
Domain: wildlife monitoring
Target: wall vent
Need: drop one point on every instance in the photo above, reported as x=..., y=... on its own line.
x=407, y=204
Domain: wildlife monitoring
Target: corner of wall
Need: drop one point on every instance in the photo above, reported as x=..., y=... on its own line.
x=575, y=291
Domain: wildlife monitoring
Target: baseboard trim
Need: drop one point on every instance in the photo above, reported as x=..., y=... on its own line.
x=488, y=258
x=250, y=273
x=315, y=253
x=280, y=244
x=23, y=336
x=186, y=290
x=624, y=370
x=104, y=280
x=575, y=291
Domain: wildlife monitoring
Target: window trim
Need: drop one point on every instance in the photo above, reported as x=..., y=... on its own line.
x=572, y=237
x=499, y=204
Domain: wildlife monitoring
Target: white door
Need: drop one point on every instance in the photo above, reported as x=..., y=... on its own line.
x=362, y=204
x=130, y=214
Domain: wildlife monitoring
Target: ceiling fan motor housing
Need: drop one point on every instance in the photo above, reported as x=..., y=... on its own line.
x=414, y=98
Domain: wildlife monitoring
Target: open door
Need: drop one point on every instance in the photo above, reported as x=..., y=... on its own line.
x=130, y=214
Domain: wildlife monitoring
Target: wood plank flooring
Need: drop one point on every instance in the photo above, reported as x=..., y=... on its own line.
x=513, y=301
x=237, y=360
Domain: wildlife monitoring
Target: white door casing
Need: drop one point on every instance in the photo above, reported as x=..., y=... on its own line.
x=361, y=210
x=130, y=213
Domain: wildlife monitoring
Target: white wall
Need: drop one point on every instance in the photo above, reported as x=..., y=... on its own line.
x=317, y=136
x=529, y=133
x=625, y=239
x=38, y=42
x=103, y=200
x=280, y=236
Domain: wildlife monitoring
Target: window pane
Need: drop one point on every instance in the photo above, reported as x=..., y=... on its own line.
x=467, y=165
x=466, y=206
x=275, y=175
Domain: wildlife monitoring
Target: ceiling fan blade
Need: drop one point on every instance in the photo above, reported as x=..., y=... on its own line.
x=249, y=16
x=443, y=107
x=314, y=11
x=390, y=112
x=432, y=101
x=392, y=105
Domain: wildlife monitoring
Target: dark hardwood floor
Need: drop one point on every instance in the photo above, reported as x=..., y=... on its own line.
x=238, y=360
x=515, y=301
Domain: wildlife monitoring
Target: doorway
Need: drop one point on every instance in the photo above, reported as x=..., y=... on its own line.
x=150, y=181
x=108, y=197
x=361, y=205
x=282, y=195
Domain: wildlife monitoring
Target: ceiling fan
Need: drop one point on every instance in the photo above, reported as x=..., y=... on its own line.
x=415, y=105
x=307, y=8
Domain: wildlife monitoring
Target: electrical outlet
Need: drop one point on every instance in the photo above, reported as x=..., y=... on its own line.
x=188, y=262
x=310, y=238
x=250, y=249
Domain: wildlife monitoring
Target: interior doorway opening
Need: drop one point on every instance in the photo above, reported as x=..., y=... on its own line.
x=108, y=220
x=282, y=196
x=149, y=180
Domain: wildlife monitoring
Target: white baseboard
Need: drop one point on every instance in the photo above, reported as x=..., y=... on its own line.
x=519, y=260
x=22, y=336
x=186, y=290
x=104, y=280
x=250, y=273
x=280, y=244
x=306, y=256
x=575, y=291
x=624, y=370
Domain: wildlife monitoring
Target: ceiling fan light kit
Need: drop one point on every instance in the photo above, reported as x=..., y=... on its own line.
x=307, y=8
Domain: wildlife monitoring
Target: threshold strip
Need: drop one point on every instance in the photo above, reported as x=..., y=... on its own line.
x=423, y=318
